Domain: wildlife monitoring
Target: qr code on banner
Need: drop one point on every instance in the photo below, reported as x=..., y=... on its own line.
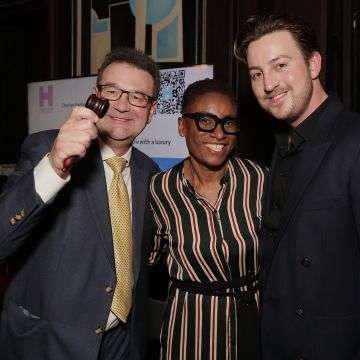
x=171, y=91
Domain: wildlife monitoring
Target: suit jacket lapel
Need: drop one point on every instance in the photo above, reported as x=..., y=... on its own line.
x=268, y=197
x=309, y=161
x=139, y=185
x=91, y=170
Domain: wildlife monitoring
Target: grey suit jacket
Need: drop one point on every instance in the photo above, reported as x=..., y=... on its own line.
x=68, y=265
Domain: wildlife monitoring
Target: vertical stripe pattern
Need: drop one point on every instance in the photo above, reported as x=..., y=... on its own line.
x=206, y=243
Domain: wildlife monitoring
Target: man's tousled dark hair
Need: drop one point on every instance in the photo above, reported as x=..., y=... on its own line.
x=262, y=24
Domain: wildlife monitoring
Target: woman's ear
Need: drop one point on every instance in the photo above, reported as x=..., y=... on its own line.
x=181, y=126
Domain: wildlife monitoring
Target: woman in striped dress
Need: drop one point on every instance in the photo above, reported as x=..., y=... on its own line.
x=207, y=211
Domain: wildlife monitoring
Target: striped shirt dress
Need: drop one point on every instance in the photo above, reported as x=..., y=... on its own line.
x=206, y=244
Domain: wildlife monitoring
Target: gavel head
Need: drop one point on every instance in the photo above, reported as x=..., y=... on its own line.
x=97, y=105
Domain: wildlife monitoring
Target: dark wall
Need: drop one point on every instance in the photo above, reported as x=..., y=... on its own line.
x=343, y=51
x=35, y=45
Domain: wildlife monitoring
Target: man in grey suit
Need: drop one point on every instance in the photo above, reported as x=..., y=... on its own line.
x=310, y=258
x=59, y=305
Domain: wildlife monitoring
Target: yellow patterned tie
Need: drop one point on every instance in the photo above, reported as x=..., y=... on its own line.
x=122, y=239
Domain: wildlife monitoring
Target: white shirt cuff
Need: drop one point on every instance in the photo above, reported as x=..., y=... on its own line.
x=47, y=182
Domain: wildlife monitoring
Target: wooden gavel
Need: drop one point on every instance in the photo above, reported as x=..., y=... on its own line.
x=99, y=107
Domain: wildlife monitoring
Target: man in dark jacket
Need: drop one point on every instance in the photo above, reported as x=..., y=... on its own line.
x=310, y=250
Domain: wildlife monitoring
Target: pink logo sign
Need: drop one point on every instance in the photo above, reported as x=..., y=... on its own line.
x=46, y=96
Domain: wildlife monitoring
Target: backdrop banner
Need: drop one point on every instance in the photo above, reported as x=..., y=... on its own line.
x=50, y=103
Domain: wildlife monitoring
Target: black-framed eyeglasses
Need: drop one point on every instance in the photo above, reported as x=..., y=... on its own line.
x=208, y=122
x=113, y=93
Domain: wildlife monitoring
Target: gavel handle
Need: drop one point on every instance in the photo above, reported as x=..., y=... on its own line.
x=68, y=163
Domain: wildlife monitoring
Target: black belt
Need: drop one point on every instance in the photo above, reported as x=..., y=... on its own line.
x=242, y=287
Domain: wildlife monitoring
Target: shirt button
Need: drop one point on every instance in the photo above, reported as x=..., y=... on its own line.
x=109, y=289
x=99, y=330
x=305, y=262
x=300, y=312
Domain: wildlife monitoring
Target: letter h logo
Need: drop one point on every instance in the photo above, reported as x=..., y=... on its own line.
x=45, y=96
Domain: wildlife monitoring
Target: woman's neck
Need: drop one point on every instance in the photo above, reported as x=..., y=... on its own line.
x=205, y=181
